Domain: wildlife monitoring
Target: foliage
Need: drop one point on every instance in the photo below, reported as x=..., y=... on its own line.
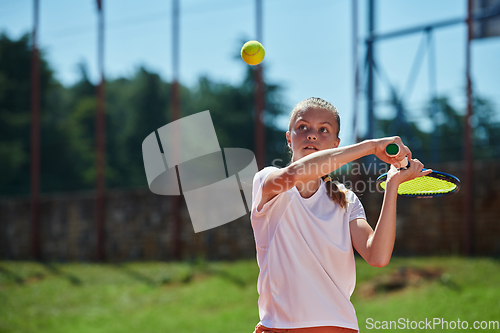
x=444, y=143
x=138, y=105
x=15, y=114
x=135, y=107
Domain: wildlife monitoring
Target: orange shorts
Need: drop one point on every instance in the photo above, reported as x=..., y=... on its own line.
x=320, y=329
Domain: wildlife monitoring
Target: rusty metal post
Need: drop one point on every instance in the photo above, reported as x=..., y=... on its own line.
x=259, y=89
x=355, y=70
x=175, y=115
x=260, y=130
x=468, y=147
x=35, y=140
x=100, y=136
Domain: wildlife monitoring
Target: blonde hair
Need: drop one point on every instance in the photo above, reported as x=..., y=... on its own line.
x=332, y=189
x=313, y=102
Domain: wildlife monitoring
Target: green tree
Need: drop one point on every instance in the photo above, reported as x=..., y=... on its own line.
x=135, y=107
x=232, y=111
x=15, y=113
x=445, y=142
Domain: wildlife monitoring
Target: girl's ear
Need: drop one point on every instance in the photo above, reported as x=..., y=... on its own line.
x=288, y=139
x=336, y=143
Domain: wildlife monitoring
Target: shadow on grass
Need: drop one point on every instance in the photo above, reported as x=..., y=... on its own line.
x=53, y=269
x=200, y=266
x=12, y=276
x=37, y=276
x=142, y=278
x=226, y=275
x=194, y=271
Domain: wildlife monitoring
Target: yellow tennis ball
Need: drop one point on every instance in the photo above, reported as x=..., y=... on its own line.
x=253, y=52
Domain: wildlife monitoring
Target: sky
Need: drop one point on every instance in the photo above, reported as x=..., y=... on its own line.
x=309, y=48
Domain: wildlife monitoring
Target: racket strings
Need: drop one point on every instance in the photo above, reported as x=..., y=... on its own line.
x=424, y=185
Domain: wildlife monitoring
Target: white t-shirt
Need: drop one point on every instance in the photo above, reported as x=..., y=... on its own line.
x=305, y=256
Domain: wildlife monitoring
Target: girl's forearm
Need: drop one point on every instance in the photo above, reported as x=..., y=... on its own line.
x=325, y=161
x=381, y=243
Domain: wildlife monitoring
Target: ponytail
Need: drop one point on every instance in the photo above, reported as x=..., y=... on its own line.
x=334, y=192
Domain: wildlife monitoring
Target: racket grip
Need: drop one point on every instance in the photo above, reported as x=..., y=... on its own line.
x=392, y=149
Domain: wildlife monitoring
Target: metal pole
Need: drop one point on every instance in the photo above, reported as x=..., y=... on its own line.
x=431, y=66
x=484, y=15
x=175, y=42
x=356, y=177
x=260, y=131
x=100, y=125
x=371, y=87
x=176, y=114
x=468, y=153
x=355, y=70
x=35, y=140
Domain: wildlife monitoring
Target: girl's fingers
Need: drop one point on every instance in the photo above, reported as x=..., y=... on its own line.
x=416, y=164
x=408, y=152
x=426, y=172
x=420, y=166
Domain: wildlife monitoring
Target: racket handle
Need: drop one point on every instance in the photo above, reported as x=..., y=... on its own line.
x=392, y=149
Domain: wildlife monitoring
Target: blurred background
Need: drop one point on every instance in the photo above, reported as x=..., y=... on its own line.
x=82, y=83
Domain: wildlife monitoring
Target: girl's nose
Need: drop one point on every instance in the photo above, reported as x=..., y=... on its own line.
x=312, y=137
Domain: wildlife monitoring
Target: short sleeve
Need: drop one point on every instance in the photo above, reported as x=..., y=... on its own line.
x=258, y=182
x=356, y=207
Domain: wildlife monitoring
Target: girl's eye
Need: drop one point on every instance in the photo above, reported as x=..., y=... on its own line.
x=324, y=129
x=301, y=127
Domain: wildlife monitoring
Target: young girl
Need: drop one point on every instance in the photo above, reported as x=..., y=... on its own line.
x=306, y=226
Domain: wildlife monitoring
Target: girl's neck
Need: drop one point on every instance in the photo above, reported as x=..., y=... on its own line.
x=308, y=189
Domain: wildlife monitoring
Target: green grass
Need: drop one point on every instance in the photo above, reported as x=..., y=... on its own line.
x=465, y=289
x=222, y=297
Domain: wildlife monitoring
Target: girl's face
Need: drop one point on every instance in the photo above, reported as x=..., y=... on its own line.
x=312, y=130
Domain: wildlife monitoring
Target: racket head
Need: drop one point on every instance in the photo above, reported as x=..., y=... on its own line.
x=435, y=184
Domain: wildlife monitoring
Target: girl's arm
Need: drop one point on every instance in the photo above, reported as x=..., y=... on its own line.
x=376, y=246
x=318, y=164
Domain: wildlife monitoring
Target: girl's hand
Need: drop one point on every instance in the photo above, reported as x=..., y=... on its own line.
x=381, y=144
x=396, y=177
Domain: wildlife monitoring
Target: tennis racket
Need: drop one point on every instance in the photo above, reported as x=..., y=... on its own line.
x=435, y=184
